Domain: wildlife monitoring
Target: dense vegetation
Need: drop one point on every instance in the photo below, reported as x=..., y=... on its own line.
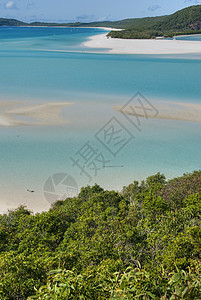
x=142, y=243
x=185, y=21
x=11, y=22
x=125, y=24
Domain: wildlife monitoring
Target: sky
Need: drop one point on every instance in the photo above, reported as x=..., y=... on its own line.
x=88, y=10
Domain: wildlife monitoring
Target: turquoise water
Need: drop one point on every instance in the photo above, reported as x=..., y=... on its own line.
x=196, y=37
x=40, y=65
x=40, y=74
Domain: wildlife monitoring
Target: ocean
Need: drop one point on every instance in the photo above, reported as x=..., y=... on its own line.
x=96, y=144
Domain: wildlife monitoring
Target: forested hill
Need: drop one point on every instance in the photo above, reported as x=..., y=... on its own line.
x=11, y=22
x=142, y=243
x=14, y=22
x=185, y=21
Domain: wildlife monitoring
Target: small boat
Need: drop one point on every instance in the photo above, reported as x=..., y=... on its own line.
x=30, y=191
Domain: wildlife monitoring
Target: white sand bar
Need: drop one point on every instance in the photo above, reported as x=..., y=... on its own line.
x=156, y=46
x=35, y=114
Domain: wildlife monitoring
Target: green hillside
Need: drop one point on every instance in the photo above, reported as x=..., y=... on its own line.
x=142, y=243
x=185, y=21
x=127, y=23
x=11, y=22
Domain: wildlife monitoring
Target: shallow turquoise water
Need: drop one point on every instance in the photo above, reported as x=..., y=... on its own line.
x=196, y=37
x=94, y=82
x=40, y=74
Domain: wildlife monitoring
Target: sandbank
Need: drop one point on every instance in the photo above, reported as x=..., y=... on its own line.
x=18, y=114
x=140, y=46
x=168, y=110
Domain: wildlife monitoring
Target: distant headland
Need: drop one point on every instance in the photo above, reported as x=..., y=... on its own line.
x=183, y=22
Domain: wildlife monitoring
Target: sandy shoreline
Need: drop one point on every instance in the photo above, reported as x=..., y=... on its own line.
x=158, y=46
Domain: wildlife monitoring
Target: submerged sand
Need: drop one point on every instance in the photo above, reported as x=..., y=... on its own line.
x=168, y=110
x=140, y=46
x=21, y=114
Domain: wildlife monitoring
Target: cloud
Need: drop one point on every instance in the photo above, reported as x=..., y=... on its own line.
x=154, y=7
x=10, y=5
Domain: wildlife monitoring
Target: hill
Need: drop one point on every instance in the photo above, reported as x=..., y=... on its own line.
x=11, y=22
x=127, y=23
x=185, y=21
x=142, y=243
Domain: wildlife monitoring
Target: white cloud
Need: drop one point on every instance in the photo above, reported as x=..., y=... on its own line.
x=10, y=5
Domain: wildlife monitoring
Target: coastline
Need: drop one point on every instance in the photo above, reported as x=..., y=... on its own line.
x=187, y=35
x=140, y=46
x=29, y=153
x=104, y=28
x=133, y=46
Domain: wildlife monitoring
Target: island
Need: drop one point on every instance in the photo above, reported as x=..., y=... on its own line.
x=186, y=21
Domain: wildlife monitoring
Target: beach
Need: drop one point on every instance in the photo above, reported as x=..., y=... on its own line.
x=140, y=46
x=57, y=94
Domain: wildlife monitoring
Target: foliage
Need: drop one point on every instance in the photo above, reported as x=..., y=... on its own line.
x=142, y=243
x=185, y=21
x=11, y=22
x=101, y=283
